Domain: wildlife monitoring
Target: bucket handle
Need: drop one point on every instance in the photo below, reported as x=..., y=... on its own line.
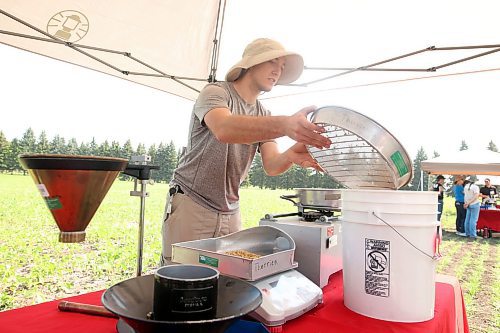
x=437, y=240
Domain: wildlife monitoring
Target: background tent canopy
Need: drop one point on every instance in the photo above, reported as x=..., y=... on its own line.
x=465, y=162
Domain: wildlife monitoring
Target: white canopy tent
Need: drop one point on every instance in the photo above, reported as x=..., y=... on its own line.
x=178, y=46
x=465, y=162
x=164, y=44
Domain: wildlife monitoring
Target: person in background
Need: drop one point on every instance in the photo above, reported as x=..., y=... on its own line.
x=488, y=193
x=458, y=191
x=472, y=203
x=439, y=187
x=228, y=126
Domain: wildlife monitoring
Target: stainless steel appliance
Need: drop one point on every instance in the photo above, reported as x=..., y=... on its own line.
x=317, y=233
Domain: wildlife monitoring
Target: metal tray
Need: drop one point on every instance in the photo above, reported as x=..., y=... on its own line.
x=275, y=246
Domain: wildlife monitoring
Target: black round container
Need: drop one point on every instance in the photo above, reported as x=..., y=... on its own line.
x=185, y=292
x=132, y=301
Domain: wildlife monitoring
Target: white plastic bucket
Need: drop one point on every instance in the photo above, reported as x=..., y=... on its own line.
x=388, y=251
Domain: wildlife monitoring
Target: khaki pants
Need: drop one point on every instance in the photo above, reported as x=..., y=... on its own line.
x=189, y=221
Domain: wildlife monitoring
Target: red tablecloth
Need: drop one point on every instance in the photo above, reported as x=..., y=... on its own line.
x=331, y=316
x=489, y=218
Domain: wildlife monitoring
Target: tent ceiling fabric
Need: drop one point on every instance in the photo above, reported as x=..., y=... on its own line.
x=174, y=37
x=169, y=44
x=465, y=162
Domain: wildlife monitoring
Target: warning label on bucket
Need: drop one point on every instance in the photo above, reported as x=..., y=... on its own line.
x=377, y=267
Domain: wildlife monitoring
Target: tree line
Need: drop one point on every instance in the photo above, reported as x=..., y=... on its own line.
x=166, y=157
x=163, y=155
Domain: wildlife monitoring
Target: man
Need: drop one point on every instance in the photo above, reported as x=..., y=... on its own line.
x=228, y=125
x=438, y=186
x=488, y=192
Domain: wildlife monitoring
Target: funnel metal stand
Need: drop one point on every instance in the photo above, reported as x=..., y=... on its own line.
x=142, y=194
x=141, y=173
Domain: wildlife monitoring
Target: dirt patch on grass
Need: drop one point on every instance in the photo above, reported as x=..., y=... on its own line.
x=482, y=320
x=484, y=316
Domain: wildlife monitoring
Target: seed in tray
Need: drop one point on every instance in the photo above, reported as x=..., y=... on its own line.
x=243, y=254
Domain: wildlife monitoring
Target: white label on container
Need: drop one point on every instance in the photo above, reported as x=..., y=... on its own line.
x=333, y=241
x=377, y=267
x=43, y=190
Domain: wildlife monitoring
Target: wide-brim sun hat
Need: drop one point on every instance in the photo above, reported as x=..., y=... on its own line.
x=265, y=49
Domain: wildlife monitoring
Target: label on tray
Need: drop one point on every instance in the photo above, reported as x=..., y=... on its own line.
x=265, y=266
x=214, y=262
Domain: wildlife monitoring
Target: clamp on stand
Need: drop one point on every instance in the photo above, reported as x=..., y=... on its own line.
x=139, y=168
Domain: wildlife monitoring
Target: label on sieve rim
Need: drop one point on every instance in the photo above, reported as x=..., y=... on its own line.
x=208, y=261
x=399, y=162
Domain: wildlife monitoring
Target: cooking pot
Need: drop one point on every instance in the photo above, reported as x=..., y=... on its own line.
x=315, y=197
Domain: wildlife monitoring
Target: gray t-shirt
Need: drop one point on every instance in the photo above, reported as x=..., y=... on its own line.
x=210, y=172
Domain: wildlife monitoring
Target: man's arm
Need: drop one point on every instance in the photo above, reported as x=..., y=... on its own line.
x=231, y=128
x=276, y=163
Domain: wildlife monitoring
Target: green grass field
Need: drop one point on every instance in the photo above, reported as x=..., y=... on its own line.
x=36, y=267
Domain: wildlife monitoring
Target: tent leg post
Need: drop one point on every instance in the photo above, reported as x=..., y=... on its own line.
x=421, y=180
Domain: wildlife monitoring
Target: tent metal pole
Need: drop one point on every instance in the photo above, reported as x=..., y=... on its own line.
x=217, y=40
x=465, y=59
x=78, y=48
x=421, y=180
x=371, y=65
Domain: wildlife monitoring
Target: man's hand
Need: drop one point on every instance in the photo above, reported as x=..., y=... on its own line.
x=298, y=128
x=229, y=128
x=298, y=154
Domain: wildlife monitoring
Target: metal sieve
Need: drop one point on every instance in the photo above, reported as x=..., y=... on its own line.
x=363, y=154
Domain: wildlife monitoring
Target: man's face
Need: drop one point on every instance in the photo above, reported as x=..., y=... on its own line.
x=267, y=74
x=486, y=183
